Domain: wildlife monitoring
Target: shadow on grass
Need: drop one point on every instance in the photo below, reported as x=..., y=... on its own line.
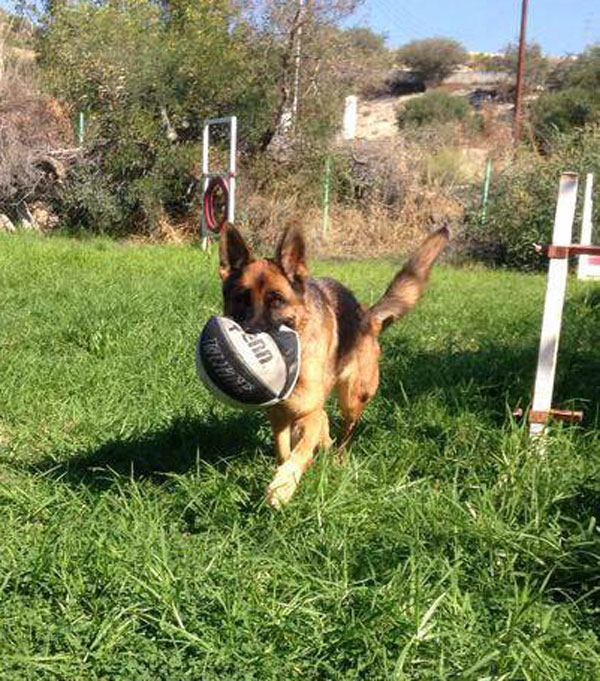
x=497, y=374
x=484, y=381
x=175, y=449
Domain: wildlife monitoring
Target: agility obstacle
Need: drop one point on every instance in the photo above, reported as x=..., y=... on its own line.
x=589, y=265
x=558, y=253
x=217, y=182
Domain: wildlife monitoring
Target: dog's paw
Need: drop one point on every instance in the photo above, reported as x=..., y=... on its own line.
x=325, y=443
x=282, y=487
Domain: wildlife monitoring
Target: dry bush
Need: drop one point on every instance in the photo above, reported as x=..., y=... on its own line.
x=32, y=127
x=385, y=195
x=384, y=209
x=354, y=232
x=375, y=233
x=169, y=230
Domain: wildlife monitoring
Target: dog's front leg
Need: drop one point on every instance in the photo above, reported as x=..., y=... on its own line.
x=281, y=425
x=288, y=474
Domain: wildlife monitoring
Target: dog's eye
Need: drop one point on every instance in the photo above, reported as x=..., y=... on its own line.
x=275, y=299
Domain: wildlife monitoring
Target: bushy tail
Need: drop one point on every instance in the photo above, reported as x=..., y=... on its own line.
x=409, y=284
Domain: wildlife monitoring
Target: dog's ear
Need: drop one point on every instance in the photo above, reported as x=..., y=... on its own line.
x=291, y=254
x=234, y=254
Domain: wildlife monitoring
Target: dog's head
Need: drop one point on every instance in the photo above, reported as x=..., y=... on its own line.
x=262, y=294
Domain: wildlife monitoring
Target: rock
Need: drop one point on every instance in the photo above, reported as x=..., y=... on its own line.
x=42, y=216
x=6, y=224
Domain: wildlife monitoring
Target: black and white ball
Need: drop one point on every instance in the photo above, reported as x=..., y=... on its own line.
x=247, y=370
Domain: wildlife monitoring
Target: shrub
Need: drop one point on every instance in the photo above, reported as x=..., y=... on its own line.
x=33, y=126
x=87, y=201
x=145, y=82
x=583, y=71
x=536, y=64
x=361, y=61
x=433, y=58
x=433, y=107
x=562, y=111
x=146, y=75
x=523, y=201
x=586, y=69
x=443, y=167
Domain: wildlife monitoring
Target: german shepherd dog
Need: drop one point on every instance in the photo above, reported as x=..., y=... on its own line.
x=338, y=336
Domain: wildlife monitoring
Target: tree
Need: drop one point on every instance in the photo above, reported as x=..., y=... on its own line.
x=301, y=33
x=586, y=71
x=145, y=75
x=536, y=64
x=361, y=61
x=581, y=71
x=433, y=58
x=365, y=40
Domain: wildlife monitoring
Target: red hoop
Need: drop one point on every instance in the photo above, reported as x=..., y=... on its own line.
x=216, y=183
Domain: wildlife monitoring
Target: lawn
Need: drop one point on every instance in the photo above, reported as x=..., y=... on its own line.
x=136, y=544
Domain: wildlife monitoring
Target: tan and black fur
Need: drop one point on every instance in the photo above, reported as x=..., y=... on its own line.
x=339, y=338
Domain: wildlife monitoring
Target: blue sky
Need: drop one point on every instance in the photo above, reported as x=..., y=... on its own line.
x=560, y=26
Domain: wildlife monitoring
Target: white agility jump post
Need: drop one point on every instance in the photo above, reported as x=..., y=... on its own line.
x=589, y=265
x=350, y=112
x=228, y=176
x=553, y=307
x=559, y=252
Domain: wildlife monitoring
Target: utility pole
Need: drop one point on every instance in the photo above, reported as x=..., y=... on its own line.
x=520, y=76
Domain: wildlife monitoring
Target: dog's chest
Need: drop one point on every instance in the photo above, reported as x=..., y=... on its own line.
x=317, y=368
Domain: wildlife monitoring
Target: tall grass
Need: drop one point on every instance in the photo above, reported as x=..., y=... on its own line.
x=136, y=543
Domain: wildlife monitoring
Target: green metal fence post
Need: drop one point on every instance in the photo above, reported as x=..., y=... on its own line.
x=326, y=184
x=81, y=128
x=486, y=189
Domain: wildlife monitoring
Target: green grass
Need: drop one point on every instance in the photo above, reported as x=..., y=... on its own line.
x=135, y=540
